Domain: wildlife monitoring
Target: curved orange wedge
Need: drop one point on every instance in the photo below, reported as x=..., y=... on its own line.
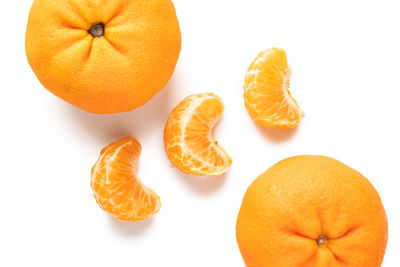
x=266, y=91
x=116, y=187
x=188, y=136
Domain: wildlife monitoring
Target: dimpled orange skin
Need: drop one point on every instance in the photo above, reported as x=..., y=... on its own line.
x=115, y=185
x=116, y=72
x=311, y=211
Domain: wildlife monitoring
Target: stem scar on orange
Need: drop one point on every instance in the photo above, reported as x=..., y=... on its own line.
x=103, y=56
x=188, y=136
x=116, y=187
x=311, y=211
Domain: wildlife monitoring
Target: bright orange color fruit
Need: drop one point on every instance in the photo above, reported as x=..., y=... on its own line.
x=266, y=91
x=188, y=136
x=116, y=187
x=103, y=56
x=311, y=211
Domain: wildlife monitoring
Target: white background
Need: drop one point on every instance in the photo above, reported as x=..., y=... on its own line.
x=345, y=57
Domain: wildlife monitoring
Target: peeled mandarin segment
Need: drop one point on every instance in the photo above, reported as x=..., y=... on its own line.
x=188, y=136
x=103, y=56
x=266, y=91
x=311, y=211
x=116, y=187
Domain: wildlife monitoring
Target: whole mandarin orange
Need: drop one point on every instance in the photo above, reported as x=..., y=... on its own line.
x=311, y=211
x=103, y=56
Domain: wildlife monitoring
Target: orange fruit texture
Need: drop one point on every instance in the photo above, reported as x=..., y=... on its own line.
x=103, y=56
x=188, y=136
x=116, y=187
x=311, y=211
x=266, y=91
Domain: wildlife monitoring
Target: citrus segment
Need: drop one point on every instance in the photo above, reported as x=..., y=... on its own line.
x=266, y=91
x=116, y=187
x=188, y=136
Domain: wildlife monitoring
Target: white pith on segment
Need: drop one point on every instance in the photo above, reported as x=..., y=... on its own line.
x=261, y=93
x=128, y=181
x=187, y=160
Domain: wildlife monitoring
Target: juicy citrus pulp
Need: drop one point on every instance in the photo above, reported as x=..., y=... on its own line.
x=188, y=136
x=266, y=91
x=116, y=187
